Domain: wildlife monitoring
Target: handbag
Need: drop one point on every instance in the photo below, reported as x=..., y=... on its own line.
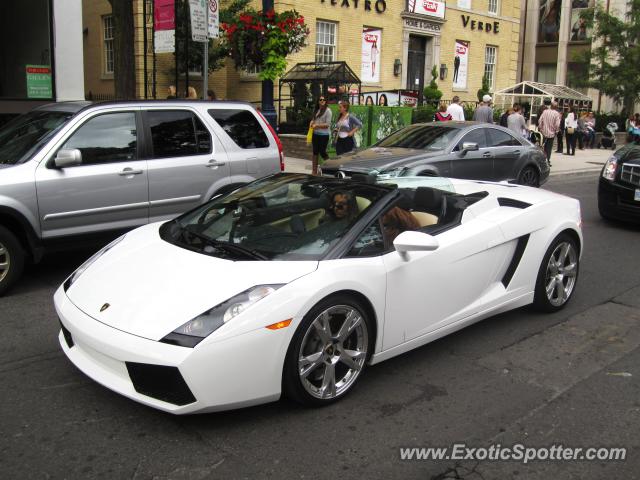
x=309, y=135
x=571, y=130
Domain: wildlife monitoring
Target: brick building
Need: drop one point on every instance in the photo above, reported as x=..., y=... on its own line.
x=389, y=44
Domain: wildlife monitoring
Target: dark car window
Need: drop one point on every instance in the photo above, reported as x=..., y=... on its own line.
x=242, y=127
x=22, y=137
x=106, y=138
x=474, y=136
x=498, y=138
x=177, y=133
x=428, y=137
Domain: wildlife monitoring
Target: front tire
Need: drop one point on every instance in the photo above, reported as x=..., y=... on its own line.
x=328, y=352
x=11, y=259
x=558, y=274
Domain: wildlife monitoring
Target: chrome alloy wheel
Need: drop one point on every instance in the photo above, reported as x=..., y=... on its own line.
x=333, y=352
x=560, y=277
x=5, y=262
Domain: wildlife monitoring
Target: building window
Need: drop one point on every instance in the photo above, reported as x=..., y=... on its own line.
x=493, y=6
x=325, y=42
x=107, y=29
x=546, y=72
x=490, y=54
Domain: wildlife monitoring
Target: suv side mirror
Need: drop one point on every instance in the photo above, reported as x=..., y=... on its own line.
x=411, y=241
x=468, y=147
x=68, y=158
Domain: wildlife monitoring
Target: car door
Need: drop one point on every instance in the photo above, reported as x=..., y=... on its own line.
x=187, y=162
x=506, y=151
x=474, y=164
x=427, y=291
x=108, y=190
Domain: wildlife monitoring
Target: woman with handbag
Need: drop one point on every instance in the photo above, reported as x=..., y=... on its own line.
x=571, y=125
x=320, y=124
x=346, y=126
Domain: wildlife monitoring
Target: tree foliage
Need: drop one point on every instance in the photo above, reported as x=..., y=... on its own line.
x=431, y=92
x=485, y=88
x=613, y=61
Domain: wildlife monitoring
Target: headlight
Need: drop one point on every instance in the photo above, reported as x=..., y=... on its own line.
x=392, y=173
x=83, y=268
x=195, y=330
x=609, y=170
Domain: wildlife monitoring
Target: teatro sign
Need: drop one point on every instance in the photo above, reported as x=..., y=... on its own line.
x=368, y=5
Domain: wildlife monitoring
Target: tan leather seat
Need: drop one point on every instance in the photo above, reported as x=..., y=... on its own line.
x=362, y=203
x=425, y=219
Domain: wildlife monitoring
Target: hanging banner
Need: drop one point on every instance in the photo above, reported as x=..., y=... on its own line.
x=214, y=19
x=39, y=81
x=432, y=8
x=164, y=41
x=371, y=43
x=164, y=15
x=460, y=64
x=198, y=9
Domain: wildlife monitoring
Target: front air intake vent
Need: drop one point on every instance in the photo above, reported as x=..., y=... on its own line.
x=161, y=382
x=512, y=202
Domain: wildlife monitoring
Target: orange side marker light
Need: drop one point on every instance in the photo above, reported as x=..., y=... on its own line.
x=279, y=325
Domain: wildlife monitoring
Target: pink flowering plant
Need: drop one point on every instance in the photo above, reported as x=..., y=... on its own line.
x=265, y=39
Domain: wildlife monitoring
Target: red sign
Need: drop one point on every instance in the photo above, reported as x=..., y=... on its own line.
x=164, y=15
x=38, y=70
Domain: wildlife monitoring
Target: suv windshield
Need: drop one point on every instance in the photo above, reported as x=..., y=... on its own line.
x=23, y=136
x=283, y=217
x=425, y=137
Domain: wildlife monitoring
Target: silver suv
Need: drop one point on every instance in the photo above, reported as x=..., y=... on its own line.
x=80, y=171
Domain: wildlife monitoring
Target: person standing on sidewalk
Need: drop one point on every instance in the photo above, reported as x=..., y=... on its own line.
x=571, y=130
x=484, y=113
x=516, y=123
x=442, y=115
x=455, y=109
x=560, y=133
x=582, y=129
x=549, y=125
x=320, y=123
x=346, y=126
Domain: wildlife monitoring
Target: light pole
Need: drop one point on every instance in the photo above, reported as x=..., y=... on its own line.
x=268, y=110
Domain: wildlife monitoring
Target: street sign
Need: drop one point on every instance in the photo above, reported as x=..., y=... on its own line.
x=198, y=9
x=39, y=81
x=214, y=19
x=165, y=41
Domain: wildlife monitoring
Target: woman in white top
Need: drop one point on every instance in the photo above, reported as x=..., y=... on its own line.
x=346, y=127
x=571, y=130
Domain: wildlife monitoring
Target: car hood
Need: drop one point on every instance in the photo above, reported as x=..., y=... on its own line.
x=152, y=287
x=378, y=158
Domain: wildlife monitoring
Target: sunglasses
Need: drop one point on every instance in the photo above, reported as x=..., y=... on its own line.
x=340, y=205
x=322, y=100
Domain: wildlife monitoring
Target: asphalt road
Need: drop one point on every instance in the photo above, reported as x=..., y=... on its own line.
x=570, y=378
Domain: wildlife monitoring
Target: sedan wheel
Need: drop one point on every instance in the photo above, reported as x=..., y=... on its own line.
x=11, y=259
x=529, y=177
x=558, y=275
x=328, y=352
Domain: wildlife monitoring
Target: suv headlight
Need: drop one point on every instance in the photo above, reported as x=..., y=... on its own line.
x=197, y=329
x=609, y=170
x=83, y=268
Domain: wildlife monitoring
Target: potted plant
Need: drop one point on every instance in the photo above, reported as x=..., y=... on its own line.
x=264, y=40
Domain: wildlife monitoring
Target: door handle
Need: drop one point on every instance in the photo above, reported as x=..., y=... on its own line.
x=486, y=154
x=516, y=152
x=215, y=164
x=129, y=171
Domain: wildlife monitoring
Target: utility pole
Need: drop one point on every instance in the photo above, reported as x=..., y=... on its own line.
x=268, y=110
x=205, y=57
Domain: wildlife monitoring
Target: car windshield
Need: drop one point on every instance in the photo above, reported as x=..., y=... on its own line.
x=282, y=217
x=425, y=137
x=20, y=138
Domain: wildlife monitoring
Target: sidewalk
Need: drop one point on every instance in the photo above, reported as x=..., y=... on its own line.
x=584, y=161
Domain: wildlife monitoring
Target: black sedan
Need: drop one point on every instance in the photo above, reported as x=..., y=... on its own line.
x=619, y=186
x=470, y=150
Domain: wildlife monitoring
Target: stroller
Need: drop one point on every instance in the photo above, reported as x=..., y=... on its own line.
x=608, y=139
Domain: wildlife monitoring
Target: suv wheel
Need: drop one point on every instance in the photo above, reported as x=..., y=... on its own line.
x=11, y=259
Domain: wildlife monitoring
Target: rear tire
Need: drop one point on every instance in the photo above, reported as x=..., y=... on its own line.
x=11, y=259
x=328, y=352
x=558, y=275
x=529, y=176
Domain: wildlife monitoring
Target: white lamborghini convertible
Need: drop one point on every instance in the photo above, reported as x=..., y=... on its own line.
x=294, y=284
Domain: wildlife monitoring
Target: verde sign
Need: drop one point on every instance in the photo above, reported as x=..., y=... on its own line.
x=39, y=81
